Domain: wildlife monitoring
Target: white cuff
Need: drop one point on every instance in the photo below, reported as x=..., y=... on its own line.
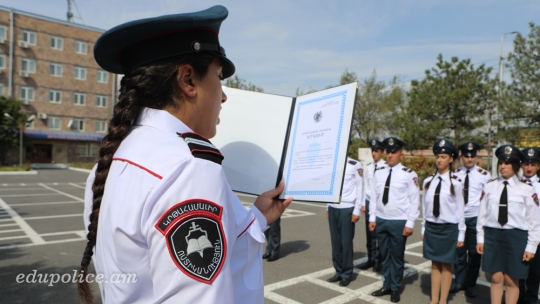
x=409, y=224
x=260, y=218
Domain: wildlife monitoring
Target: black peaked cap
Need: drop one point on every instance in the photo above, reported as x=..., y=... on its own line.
x=469, y=148
x=144, y=41
x=392, y=144
x=376, y=145
x=510, y=153
x=445, y=146
x=532, y=155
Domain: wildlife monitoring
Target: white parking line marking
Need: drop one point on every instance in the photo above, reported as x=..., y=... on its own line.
x=77, y=232
x=47, y=243
x=23, y=195
x=51, y=216
x=12, y=230
x=13, y=237
x=63, y=193
x=31, y=233
x=50, y=203
x=8, y=225
x=75, y=185
x=18, y=189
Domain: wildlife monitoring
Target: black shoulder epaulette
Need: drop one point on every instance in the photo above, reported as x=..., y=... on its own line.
x=493, y=179
x=456, y=170
x=527, y=182
x=456, y=178
x=482, y=171
x=406, y=169
x=352, y=162
x=369, y=164
x=201, y=147
x=380, y=168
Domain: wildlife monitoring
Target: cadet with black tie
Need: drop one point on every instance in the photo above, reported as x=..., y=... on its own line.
x=374, y=258
x=474, y=179
x=393, y=210
x=508, y=229
x=528, y=288
x=443, y=227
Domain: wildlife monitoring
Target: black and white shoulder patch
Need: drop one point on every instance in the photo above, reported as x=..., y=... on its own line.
x=201, y=147
x=456, y=178
x=352, y=162
x=195, y=238
x=407, y=169
x=493, y=179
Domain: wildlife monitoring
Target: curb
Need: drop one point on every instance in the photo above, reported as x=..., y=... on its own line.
x=18, y=172
x=80, y=170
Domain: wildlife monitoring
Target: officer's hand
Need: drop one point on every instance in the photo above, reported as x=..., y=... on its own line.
x=372, y=226
x=355, y=218
x=422, y=237
x=271, y=207
x=364, y=210
x=407, y=231
x=480, y=248
x=459, y=244
x=527, y=256
x=326, y=213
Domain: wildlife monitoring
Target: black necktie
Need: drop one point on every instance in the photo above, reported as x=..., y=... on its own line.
x=386, y=188
x=436, y=199
x=466, y=189
x=503, y=206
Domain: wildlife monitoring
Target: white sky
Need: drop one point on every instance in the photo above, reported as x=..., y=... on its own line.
x=282, y=45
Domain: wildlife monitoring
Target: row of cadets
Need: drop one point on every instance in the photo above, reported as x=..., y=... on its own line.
x=443, y=225
x=341, y=220
x=374, y=258
x=528, y=288
x=393, y=212
x=508, y=229
x=474, y=178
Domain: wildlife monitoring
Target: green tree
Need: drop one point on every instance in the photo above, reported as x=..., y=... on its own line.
x=239, y=83
x=9, y=124
x=449, y=102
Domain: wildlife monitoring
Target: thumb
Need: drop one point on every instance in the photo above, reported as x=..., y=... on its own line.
x=275, y=192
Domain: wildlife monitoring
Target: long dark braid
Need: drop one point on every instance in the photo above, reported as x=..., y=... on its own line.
x=153, y=86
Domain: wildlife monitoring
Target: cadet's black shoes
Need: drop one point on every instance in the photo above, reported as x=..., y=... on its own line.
x=381, y=292
x=335, y=278
x=344, y=282
x=394, y=298
x=366, y=265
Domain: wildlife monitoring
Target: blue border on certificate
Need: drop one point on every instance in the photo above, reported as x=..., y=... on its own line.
x=331, y=190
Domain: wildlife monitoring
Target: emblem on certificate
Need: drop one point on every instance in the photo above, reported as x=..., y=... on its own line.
x=318, y=116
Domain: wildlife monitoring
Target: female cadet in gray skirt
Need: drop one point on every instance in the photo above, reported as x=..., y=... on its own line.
x=443, y=227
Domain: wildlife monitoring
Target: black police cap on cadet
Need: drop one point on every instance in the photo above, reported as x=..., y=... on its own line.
x=445, y=146
x=392, y=144
x=469, y=149
x=532, y=155
x=375, y=145
x=144, y=41
x=509, y=153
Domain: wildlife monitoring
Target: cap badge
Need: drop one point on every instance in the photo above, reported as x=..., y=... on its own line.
x=391, y=142
x=373, y=142
x=530, y=152
x=508, y=150
x=470, y=146
x=441, y=143
x=196, y=46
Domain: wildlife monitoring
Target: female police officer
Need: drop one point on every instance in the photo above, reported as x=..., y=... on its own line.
x=165, y=211
x=508, y=229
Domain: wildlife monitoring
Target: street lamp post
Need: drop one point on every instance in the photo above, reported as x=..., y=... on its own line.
x=21, y=128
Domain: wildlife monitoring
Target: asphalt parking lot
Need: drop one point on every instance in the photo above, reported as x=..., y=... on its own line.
x=41, y=229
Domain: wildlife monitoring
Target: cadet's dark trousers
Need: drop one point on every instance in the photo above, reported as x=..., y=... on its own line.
x=273, y=237
x=528, y=289
x=341, y=235
x=371, y=236
x=392, y=248
x=468, y=260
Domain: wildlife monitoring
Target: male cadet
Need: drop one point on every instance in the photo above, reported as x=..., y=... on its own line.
x=528, y=289
x=341, y=219
x=374, y=258
x=474, y=179
x=273, y=238
x=393, y=210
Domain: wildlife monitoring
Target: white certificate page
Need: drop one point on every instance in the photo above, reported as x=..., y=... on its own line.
x=317, y=146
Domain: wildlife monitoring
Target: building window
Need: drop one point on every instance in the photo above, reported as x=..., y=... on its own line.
x=88, y=149
x=2, y=61
x=3, y=32
x=53, y=122
x=80, y=73
x=78, y=124
x=29, y=125
x=80, y=47
x=102, y=76
x=27, y=93
x=2, y=89
x=101, y=126
x=101, y=101
x=28, y=65
x=55, y=96
x=57, y=43
x=55, y=69
x=29, y=37
x=79, y=99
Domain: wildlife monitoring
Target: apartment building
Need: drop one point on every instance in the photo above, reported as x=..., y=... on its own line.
x=49, y=65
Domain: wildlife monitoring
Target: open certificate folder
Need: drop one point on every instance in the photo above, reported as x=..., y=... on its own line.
x=268, y=138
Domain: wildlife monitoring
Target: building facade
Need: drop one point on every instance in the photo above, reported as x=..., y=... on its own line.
x=49, y=65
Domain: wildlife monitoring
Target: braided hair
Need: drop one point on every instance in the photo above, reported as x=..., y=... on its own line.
x=426, y=187
x=153, y=86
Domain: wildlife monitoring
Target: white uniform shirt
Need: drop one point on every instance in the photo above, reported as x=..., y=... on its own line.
x=403, y=201
x=353, y=187
x=533, y=181
x=149, y=187
x=368, y=177
x=523, y=211
x=478, y=178
x=451, y=206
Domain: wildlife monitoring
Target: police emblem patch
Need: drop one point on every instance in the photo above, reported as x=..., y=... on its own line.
x=373, y=142
x=391, y=142
x=195, y=238
x=441, y=143
x=508, y=150
x=535, y=199
x=530, y=152
x=360, y=172
x=470, y=146
x=415, y=179
x=318, y=116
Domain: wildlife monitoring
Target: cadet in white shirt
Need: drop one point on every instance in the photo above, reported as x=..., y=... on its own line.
x=374, y=257
x=508, y=229
x=528, y=288
x=166, y=213
x=341, y=219
x=393, y=211
x=474, y=178
x=443, y=224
